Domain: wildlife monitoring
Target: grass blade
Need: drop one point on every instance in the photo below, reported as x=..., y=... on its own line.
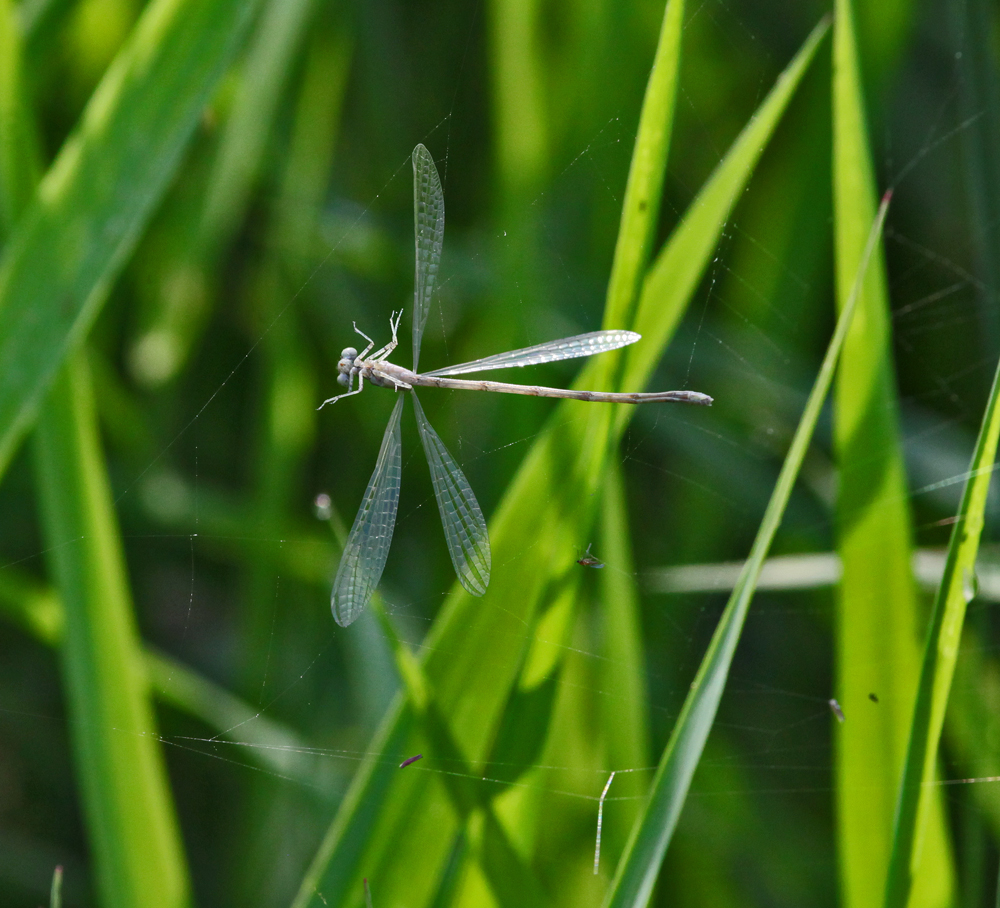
x=626, y=701
x=877, y=636
x=131, y=826
x=917, y=794
x=95, y=200
x=273, y=51
x=132, y=829
x=644, y=189
x=18, y=148
x=522, y=135
x=511, y=880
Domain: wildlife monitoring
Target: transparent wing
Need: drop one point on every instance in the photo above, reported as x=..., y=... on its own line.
x=367, y=545
x=428, y=228
x=463, y=522
x=567, y=348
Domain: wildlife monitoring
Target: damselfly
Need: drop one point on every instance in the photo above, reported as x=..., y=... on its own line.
x=367, y=546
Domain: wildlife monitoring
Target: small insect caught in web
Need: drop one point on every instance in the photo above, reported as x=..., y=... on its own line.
x=410, y=760
x=589, y=560
x=837, y=711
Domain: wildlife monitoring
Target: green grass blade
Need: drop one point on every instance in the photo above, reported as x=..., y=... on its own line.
x=476, y=652
x=644, y=189
x=18, y=148
x=917, y=794
x=640, y=865
x=131, y=825
x=877, y=615
x=95, y=200
x=520, y=119
x=624, y=702
x=132, y=830
x=510, y=879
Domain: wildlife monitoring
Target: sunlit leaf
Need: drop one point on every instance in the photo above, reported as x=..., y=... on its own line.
x=98, y=195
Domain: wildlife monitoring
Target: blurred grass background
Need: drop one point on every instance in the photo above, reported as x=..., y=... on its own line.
x=287, y=217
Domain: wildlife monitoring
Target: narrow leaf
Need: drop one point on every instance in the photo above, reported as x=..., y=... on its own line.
x=644, y=189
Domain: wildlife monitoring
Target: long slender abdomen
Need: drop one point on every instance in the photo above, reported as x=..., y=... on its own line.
x=459, y=384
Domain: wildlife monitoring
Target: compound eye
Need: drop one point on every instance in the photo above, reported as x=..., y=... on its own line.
x=343, y=379
x=347, y=358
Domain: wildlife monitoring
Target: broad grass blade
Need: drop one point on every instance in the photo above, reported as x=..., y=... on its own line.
x=877, y=613
x=475, y=654
x=638, y=870
x=510, y=878
x=131, y=826
x=132, y=830
x=462, y=520
x=367, y=546
x=97, y=197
